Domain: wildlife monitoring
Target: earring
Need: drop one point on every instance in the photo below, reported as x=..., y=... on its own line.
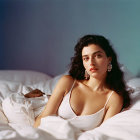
x=86, y=75
x=109, y=67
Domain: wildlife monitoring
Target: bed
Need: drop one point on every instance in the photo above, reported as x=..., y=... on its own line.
x=15, y=83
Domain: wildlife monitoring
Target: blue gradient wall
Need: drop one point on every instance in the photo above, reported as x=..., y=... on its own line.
x=41, y=34
x=1, y=33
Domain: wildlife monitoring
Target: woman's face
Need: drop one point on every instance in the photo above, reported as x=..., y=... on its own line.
x=95, y=61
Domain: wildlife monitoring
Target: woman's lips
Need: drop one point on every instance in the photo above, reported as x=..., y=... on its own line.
x=93, y=69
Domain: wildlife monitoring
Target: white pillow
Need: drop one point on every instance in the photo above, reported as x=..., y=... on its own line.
x=9, y=87
x=127, y=74
x=23, y=76
x=135, y=85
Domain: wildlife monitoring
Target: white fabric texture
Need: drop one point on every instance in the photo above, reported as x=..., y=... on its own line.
x=59, y=128
x=22, y=132
x=135, y=96
x=21, y=110
x=123, y=126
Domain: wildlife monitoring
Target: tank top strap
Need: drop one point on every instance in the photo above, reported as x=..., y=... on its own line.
x=108, y=98
x=72, y=86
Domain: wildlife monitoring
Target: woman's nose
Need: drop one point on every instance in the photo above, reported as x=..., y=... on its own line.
x=92, y=62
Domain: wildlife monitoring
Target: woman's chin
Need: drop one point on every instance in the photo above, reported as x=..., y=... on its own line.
x=97, y=75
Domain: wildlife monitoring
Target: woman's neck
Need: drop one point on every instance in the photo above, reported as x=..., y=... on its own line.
x=96, y=84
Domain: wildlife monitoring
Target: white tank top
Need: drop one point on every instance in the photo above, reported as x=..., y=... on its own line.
x=84, y=122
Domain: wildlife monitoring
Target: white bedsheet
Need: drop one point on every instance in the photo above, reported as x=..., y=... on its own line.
x=123, y=126
x=22, y=132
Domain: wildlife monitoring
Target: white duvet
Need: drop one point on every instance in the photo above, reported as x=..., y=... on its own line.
x=16, y=124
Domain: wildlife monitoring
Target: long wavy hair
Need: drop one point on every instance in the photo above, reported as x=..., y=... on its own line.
x=114, y=79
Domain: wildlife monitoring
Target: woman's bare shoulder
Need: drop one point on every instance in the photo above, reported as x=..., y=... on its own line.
x=116, y=99
x=66, y=81
x=114, y=105
x=116, y=96
x=67, y=77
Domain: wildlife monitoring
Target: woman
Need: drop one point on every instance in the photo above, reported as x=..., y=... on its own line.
x=94, y=90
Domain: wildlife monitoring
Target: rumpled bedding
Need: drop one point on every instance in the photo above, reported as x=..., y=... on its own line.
x=17, y=115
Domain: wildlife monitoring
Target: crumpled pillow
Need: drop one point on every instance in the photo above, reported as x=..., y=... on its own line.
x=134, y=83
x=135, y=96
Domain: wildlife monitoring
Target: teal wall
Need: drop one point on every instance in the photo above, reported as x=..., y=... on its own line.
x=41, y=34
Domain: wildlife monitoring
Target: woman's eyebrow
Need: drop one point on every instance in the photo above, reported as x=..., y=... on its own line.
x=93, y=53
x=98, y=52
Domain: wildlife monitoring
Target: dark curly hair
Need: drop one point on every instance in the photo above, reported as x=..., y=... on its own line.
x=114, y=79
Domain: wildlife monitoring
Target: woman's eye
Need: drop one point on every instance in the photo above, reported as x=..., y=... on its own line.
x=98, y=55
x=85, y=59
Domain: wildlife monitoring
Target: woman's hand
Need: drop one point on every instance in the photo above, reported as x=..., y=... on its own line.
x=34, y=93
x=37, y=122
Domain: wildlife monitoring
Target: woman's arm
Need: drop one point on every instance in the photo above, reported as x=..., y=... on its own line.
x=62, y=87
x=114, y=106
